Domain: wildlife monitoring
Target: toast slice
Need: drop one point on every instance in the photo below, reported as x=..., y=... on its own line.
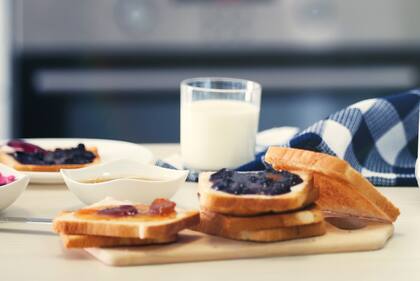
x=144, y=227
x=343, y=190
x=91, y=241
x=225, y=223
x=10, y=161
x=301, y=195
x=264, y=235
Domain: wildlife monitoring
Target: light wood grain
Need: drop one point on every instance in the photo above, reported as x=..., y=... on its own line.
x=194, y=247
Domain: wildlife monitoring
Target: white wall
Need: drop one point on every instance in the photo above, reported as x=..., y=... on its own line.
x=5, y=103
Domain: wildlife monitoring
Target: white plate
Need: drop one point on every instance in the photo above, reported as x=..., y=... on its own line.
x=108, y=150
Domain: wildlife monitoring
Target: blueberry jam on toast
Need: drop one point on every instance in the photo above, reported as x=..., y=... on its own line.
x=269, y=182
x=30, y=154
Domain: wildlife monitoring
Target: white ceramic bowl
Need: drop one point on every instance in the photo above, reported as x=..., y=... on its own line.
x=10, y=192
x=165, y=183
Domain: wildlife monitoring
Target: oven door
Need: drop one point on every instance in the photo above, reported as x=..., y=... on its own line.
x=131, y=98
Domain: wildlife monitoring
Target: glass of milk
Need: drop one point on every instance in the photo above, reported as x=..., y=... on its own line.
x=219, y=122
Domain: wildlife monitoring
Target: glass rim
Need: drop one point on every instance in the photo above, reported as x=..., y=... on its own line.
x=186, y=83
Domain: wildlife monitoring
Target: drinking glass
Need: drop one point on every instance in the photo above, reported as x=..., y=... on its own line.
x=219, y=122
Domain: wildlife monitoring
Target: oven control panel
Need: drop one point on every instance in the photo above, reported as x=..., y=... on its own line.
x=213, y=24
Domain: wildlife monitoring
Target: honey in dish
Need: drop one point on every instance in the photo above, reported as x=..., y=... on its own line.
x=104, y=179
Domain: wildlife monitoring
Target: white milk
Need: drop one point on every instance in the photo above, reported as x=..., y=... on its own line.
x=218, y=134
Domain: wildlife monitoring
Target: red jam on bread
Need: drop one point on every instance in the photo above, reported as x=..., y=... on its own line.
x=160, y=209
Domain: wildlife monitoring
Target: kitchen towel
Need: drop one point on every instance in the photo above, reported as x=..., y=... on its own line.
x=378, y=137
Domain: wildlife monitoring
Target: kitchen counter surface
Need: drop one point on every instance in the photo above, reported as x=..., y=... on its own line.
x=38, y=255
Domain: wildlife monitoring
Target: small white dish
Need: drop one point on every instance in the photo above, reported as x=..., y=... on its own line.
x=10, y=192
x=156, y=182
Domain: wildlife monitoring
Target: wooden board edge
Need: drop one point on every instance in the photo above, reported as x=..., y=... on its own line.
x=375, y=242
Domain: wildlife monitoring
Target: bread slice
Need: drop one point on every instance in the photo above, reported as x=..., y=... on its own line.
x=301, y=195
x=10, y=161
x=343, y=190
x=265, y=235
x=309, y=215
x=68, y=223
x=92, y=241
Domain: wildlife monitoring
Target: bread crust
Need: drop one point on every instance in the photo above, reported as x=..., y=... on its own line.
x=309, y=215
x=245, y=205
x=264, y=235
x=104, y=228
x=89, y=241
x=12, y=162
x=331, y=172
x=282, y=234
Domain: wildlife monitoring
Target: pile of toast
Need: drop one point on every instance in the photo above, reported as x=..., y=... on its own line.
x=341, y=195
x=76, y=232
x=261, y=218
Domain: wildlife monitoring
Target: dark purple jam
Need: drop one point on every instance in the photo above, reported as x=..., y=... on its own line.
x=120, y=211
x=23, y=146
x=29, y=154
x=269, y=182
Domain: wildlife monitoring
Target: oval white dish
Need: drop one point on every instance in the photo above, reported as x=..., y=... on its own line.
x=10, y=192
x=157, y=182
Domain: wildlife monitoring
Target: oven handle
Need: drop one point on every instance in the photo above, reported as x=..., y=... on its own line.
x=141, y=81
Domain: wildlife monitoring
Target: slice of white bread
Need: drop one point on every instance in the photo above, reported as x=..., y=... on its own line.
x=265, y=235
x=68, y=223
x=10, y=161
x=301, y=195
x=90, y=241
x=343, y=190
x=225, y=223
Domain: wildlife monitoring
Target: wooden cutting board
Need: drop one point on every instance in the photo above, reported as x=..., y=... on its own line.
x=194, y=246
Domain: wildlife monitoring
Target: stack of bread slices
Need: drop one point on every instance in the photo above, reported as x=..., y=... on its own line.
x=85, y=231
x=260, y=217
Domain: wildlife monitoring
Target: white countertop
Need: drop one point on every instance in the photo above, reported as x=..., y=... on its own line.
x=26, y=255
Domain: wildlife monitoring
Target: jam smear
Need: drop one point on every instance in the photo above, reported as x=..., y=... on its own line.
x=269, y=182
x=23, y=146
x=30, y=154
x=120, y=211
x=158, y=210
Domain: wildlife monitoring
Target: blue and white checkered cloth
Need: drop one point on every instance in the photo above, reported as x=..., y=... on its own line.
x=378, y=137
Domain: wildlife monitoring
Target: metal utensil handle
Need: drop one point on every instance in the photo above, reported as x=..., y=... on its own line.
x=25, y=220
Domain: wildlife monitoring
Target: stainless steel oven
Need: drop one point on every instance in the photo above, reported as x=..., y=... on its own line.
x=111, y=68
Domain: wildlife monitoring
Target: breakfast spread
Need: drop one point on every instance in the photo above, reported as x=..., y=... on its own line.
x=6, y=179
x=298, y=196
x=157, y=223
x=343, y=191
x=25, y=156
